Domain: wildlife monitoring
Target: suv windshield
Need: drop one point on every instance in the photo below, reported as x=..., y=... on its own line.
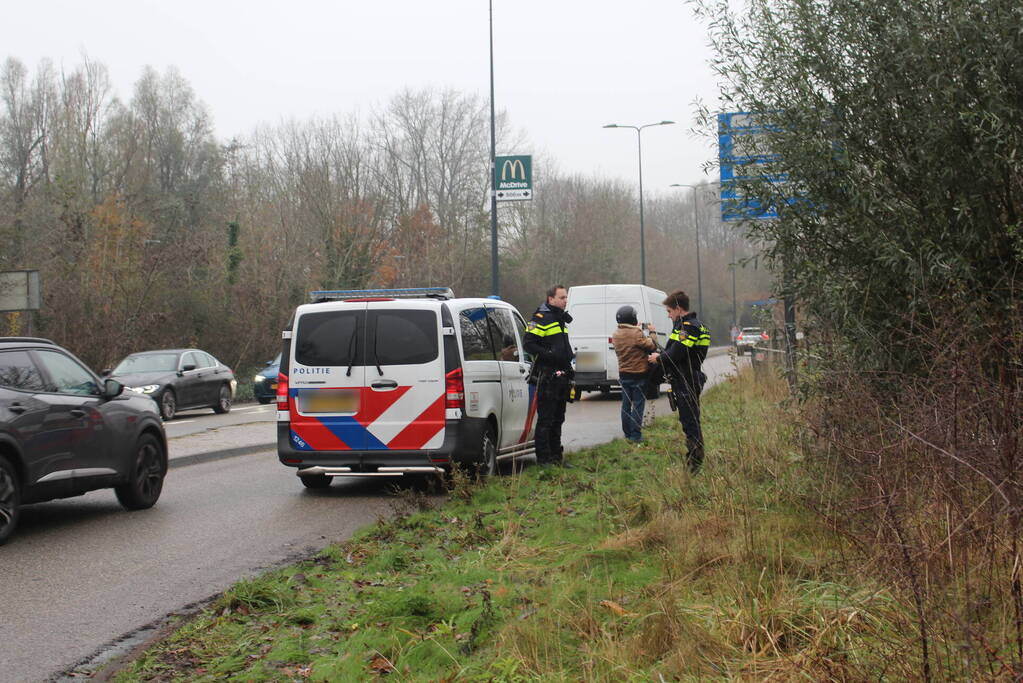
x=147, y=362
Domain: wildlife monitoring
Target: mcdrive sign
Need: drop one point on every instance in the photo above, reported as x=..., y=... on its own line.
x=513, y=177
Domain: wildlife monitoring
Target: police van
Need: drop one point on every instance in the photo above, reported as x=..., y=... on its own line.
x=593, y=309
x=402, y=381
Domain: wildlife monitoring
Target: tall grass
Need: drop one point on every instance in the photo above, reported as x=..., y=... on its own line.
x=626, y=567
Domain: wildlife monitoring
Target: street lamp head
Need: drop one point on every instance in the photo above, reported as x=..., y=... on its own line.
x=666, y=123
x=612, y=125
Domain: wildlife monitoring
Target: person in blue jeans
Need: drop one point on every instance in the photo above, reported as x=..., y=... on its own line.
x=632, y=347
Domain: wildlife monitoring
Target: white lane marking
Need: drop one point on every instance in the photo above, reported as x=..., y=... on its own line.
x=256, y=409
x=180, y=422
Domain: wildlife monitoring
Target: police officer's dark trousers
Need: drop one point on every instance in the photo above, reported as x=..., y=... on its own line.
x=687, y=396
x=551, y=399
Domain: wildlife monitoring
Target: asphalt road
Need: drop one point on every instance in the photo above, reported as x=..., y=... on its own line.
x=82, y=573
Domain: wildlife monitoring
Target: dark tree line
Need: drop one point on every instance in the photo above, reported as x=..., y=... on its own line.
x=150, y=232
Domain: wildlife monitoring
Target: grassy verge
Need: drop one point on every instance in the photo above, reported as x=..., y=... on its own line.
x=622, y=568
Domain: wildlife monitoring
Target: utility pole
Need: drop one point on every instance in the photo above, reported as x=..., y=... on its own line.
x=639, y=148
x=696, y=225
x=495, y=278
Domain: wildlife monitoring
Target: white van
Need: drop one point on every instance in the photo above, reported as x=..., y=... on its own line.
x=394, y=382
x=593, y=309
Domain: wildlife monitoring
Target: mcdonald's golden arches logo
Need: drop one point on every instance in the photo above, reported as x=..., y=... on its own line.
x=514, y=177
x=510, y=170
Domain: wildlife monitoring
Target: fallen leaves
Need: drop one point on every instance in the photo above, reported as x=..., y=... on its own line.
x=381, y=665
x=297, y=671
x=615, y=608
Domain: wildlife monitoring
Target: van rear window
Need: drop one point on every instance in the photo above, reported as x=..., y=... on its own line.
x=330, y=338
x=401, y=337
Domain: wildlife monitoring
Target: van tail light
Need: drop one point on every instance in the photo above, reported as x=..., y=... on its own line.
x=455, y=389
x=282, y=392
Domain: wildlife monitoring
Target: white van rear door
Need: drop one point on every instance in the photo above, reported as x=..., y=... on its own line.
x=404, y=395
x=325, y=390
x=624, y=295
x=588, y=333
x=658, y=315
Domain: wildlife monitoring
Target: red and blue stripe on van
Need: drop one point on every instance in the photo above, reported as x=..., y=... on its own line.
x=365, y=430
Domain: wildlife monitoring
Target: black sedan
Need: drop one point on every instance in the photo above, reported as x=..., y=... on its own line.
x=178, y=379
x=64, y=431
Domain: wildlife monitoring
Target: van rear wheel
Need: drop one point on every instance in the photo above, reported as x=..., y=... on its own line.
x=486, y=465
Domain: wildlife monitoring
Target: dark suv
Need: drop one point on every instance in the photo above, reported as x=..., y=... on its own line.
x=64, y=431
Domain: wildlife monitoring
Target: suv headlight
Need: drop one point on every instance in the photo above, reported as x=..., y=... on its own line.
x=147, y=389
x=259, y=378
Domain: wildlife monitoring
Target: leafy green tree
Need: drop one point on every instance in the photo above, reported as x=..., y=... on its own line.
x=898, y=124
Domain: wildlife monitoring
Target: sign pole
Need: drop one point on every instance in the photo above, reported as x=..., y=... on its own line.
x=495, y=281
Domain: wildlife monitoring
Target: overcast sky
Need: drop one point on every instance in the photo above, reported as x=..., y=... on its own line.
x=563, y=68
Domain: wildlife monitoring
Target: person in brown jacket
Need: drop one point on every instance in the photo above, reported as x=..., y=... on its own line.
x=632, y=348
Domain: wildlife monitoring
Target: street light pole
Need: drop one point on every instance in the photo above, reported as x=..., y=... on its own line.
x=495, y=280
x=696, y=222
x=639, y=147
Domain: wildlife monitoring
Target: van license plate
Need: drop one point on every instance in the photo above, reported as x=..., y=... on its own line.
x=328, y=401
x=588, y=361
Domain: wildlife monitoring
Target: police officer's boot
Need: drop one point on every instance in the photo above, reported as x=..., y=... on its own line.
x=694, y=455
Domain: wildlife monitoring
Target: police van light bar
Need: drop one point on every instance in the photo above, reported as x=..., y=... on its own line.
x=406, y=293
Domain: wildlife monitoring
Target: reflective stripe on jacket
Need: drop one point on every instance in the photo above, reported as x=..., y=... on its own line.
x=547, y=338
x=686, y=349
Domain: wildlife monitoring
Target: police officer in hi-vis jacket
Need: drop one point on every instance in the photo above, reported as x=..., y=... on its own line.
x=682, y=361
x=547, y=340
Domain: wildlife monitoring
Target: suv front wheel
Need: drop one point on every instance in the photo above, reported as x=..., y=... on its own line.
x=145, y=481
x=10, y=499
